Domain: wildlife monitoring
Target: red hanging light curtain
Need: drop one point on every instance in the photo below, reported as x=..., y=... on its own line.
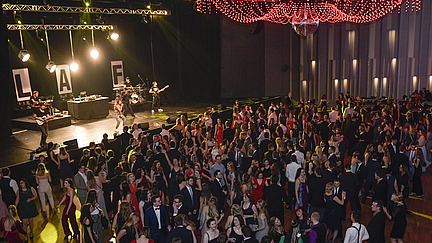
x=288, y=11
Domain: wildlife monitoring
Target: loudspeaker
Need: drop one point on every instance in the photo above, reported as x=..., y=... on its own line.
x=71, y=144
x=144, y=126
x=171, y=119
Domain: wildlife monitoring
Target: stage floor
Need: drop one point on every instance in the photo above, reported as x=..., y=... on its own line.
x=17, y=148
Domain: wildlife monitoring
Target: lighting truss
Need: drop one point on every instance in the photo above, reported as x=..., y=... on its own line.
x=60, y=27
x=92, y=10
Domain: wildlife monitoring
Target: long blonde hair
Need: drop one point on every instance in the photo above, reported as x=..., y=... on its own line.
x=11, y=215
x=212, y=208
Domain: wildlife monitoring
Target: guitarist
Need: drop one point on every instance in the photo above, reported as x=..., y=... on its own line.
x=41, y=117
x=154, y=90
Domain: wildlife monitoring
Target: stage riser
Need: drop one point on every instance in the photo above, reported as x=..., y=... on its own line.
x=30, y=124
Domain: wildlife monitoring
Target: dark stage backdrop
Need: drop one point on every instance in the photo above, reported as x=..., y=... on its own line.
x=185, y=50
x=6, y=87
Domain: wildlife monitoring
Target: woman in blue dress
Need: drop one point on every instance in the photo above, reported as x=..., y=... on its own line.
x=301, y=189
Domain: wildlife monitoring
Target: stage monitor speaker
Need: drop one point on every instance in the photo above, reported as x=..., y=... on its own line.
x=144, y=126
x=171, y=119
x=71, y=144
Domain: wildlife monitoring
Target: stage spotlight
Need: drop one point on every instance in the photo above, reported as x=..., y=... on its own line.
x=24, y=55
x=114, y=36
x=51, y=67
x=87, y=4
x=94, y=53
x=74, y=66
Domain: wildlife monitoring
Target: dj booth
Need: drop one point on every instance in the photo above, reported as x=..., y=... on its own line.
x=88, y=108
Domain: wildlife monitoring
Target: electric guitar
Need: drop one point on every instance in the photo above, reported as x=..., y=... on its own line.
x=44, y=120
x=161, y=90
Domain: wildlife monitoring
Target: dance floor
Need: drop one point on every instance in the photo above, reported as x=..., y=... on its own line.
x=18, y=147
x=17, y=150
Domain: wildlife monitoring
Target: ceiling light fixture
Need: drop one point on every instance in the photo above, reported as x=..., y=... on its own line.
x=74, y=66
x=94, y=53
x=23, y=54
x=51, y=67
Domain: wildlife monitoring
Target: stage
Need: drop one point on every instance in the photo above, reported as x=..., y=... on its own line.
x=17, y=148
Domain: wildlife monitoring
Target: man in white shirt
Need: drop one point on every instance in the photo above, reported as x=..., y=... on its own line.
x=333, y=115
x=357, y=232
x=299, y=155
x=290, y=173
x=136, y=130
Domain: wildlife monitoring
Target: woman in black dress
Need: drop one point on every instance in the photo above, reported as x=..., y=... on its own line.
x=417, y=189
x=25, y=202
x=398, y=217
x=234, y=232
x=121, y=216
x=87, y=221
x=130, y=230
x=402, y=180
x=333, y=212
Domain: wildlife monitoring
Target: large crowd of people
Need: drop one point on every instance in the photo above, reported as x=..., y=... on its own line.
x=216, y=180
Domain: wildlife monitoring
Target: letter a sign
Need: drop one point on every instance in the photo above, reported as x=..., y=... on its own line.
x=64, y=84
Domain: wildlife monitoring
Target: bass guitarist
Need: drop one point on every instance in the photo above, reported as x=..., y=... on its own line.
x=42, y=117
x=154, y=90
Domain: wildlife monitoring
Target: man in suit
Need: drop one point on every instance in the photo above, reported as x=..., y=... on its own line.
x=332, y=156
x=317, y=186
x=247, y=235
x=393, y=147
x=350, y=185
x=81, y=183
x=289, y=101
x=191, y=200
x=173, y=152
x=380, y=188
x=177, y=207
x=156, y=218
x=275, y=195
x=99, y=156
x=327, y=174
x=124, y=139
x=181, y=232
x=399, y=159
x=219, y=189
x=134, y=163
x=238, y=159
x=372, y=166
x=255, y=154
x=376, y=226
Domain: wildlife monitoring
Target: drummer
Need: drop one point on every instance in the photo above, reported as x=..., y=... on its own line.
x=128, y=83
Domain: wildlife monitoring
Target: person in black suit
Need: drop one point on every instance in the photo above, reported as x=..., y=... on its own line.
x=372, y=166
x=191, y=200
x=173, y=152
x=332, y=156
x=393, y=147
x=124, y=139
x=289, y=101
x=328, y=173
x=376, y=226
x=350, y=185
x=177, y=207
x=218, y=189
x=228, y=132
x=247, y=235
x=317, y=185
x=263, y=145
x=255, y=153
x=155, y=214
x=134, y=163
x=275, y=195
x=399, y=159
x=380, y=188
x=181, y=232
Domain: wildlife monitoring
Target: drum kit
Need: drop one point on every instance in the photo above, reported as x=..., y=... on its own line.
x=136, y=93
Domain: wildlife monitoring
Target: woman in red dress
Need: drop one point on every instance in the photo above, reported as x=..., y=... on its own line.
x=258, y=184
x=133, y=188
x=11, y=226
x=219, y=131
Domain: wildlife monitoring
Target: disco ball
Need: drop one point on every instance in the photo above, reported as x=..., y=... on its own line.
x=303, y=24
